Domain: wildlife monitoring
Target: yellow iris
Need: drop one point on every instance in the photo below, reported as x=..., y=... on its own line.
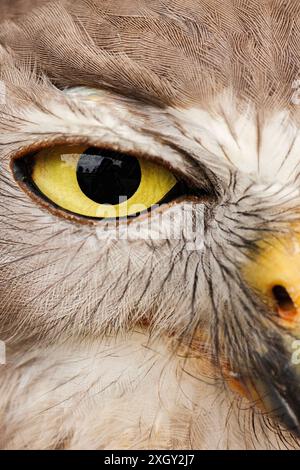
x=54, y=173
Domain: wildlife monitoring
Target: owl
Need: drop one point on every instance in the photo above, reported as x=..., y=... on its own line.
x=149, y=224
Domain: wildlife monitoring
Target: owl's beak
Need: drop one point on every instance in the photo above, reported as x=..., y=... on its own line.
x=275, y=390
x=274, y=273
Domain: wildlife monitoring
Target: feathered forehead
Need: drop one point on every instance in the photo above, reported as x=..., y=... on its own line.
x=179, y=52
x=189, y=57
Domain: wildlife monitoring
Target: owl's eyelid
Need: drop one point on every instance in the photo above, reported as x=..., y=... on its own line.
x=29, y=188
x=66, y=140
x=22, y=174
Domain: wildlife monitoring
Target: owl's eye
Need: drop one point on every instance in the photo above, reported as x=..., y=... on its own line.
x=97, y=183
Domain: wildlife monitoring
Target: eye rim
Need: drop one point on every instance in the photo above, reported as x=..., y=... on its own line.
x=25, y=183
x=32, y=149
x=109, y=222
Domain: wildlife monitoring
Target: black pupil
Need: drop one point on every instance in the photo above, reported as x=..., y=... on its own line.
x=108, y=177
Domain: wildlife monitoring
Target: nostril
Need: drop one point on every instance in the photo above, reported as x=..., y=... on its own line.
x=284, y=302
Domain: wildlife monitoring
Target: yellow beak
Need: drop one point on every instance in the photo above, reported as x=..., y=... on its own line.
x=274, y=273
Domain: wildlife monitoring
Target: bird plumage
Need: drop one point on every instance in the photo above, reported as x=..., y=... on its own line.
x=133, y=342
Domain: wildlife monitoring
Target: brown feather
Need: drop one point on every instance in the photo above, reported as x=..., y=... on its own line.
x=179, y=52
